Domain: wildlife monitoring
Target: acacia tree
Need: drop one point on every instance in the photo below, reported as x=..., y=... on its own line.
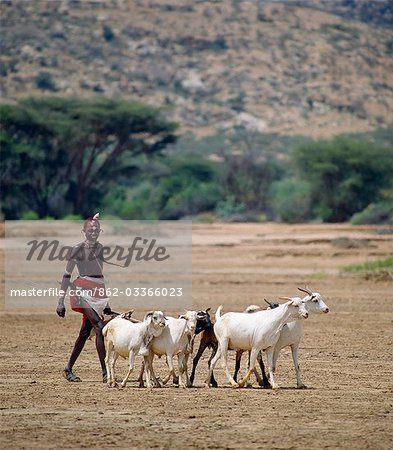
x=58, y=149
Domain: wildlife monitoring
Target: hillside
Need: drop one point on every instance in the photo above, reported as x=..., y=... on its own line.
x=305, y=67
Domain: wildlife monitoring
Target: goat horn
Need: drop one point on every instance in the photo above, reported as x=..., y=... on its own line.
x=285, y=298
x=267, y=301
x=307, y=291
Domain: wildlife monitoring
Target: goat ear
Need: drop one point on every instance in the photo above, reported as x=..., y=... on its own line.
x=208, y=309
x=285, y=298
x=182, y=316
x=149, y=314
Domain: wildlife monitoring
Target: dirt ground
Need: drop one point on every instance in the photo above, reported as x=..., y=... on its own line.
x=346, y=357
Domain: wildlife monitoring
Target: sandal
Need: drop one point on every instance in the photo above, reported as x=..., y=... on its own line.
x=69, y=375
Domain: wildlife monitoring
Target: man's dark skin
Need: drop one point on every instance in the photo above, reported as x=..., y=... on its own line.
x=89, y=262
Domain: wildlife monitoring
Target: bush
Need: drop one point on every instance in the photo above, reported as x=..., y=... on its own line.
x=45, y=82
x=345, y=175
x=190, y=200
x=108, y=33
x=29, y=215
x=229, y=207
x=189, y=188
x=291, y=200
x=375, y=213
x=72, y=217
x=138, y=202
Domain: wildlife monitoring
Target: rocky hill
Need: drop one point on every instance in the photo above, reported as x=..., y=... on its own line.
x=308, y=67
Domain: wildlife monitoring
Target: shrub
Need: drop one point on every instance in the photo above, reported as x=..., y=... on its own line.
x=374, y=213
x=108, y=33
x=345, y=175
x=45, y=82
x=72, y=217
x=29, y=215
x=291, y=200
x=191, y=199
x=229, y=207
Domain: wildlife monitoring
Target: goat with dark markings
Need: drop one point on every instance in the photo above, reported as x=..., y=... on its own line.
x=208, y=340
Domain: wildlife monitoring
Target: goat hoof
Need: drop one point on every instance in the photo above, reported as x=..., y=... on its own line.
x=301, y=386
x=207, y=385
x=237, y=386
x=275, y=386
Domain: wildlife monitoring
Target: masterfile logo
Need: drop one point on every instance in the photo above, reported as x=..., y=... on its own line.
x=145, y=264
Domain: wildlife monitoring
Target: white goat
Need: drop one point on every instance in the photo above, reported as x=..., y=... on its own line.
x=255, y=332
x=174, y=340
x=124, y=338
x=291, y=334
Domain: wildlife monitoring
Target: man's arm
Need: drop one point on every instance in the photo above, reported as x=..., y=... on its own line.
x=65, y=282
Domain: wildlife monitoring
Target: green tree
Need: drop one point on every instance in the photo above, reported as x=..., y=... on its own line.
x=58, y=150
x=345, y=175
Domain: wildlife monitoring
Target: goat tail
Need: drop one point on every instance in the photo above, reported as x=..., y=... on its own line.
x=218, y=313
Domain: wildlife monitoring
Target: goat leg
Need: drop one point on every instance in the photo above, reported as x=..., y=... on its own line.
x=264, y=382
x=253, y=358
x=295, y=355
x=212, y=363
x=269, y=355
x=144, y=369
x=202, y=347
x=213, y=382
x=169, y=360
x=239, y=354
